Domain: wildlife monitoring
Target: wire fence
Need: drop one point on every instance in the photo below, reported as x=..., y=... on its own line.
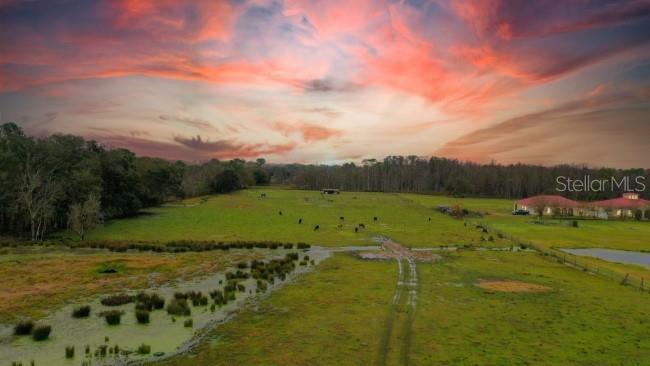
x=585, y=264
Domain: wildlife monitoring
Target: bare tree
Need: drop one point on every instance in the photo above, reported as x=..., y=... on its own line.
x=84, y=216
x=37, y=194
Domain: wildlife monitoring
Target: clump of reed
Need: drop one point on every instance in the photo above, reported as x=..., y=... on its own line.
x=112, y=317
x=81, y=311
x=179, y=307
x=24, y=327
x=41, y=332
x=142, y=316
x=117, y=300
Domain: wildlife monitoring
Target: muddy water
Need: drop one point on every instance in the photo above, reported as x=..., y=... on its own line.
x=163, y=334
x=613, y=255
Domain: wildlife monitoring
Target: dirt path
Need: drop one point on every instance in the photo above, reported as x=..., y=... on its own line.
x=396, y=337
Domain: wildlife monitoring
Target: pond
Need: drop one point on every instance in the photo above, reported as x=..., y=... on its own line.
x=613, y=255
x=94, y=341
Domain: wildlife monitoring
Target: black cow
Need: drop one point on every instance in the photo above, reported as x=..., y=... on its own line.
x=316, y=227
x=300, y=221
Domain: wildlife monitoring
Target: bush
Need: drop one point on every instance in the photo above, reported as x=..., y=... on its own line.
x=144, y=349
x=41, y=332
x=81, y=312
x=178, y=307
x=69, y=352
x=24, y=327
x=112, y=317
x=188, y=323
x=149, y=302
x=142, y=316
x=574, y=223
x=117, y=300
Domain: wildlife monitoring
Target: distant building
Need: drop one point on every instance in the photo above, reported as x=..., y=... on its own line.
x=556, y=205
x=626, y=206
x=629, y=205
x=330, y=191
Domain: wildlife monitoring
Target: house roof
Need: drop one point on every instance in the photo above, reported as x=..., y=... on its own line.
x=548, y=200
x=621, y=202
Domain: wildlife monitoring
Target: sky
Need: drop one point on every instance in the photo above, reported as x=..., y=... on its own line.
x=326, y=81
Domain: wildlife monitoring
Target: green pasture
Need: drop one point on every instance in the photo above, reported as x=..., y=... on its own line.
x=244, y=215
x=343, y=307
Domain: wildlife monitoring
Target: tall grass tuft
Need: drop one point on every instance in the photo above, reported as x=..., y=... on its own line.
x=142, y=316
x=41, y=332
x=81, y=312
x=24, y=327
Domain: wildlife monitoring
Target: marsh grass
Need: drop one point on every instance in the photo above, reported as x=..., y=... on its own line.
x=179, y=307
x=144, y=349
x=81, y=311
x=24, y=327
x=41, y=332
x=112, y=317
x=117, y=300
x=142, y=316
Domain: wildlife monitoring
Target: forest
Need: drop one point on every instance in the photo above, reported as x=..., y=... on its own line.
x=65, y=181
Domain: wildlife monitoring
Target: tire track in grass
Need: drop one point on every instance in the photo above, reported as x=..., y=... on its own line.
x=402, y=309
x=392, y=314
x=410, y=311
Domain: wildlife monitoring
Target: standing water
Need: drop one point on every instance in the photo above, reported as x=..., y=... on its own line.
x=95, y=342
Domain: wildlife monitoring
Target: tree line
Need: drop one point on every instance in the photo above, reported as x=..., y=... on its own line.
x=459, y=178
x=64, y=181
x=61, y=181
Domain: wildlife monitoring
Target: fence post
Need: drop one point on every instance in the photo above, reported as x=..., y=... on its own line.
x=624, y=282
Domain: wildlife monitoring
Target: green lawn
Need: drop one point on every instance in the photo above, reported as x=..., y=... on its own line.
x=245, y=216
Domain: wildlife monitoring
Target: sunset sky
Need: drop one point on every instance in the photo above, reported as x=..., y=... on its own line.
x=327, y=81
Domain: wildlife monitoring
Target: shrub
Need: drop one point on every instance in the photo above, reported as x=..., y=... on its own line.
x=69, y=352
x=574, y=223
x=142, y=316
x=117, y=300
x=41, y=332
x=178, y=307
x=188, y=323
x=144, y=349
x=81, y=312
x=24, y=327
x=112, y=317
x=149, y=302
x=242, y=265
x=303, y=246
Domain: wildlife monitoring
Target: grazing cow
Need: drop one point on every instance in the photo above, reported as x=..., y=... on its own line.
x=375, y=218
x=280, y=213
x=316, y=227
x=429, y=219
x=362, y=226
x=356, y=229
x=300, y=221
x=342, y=218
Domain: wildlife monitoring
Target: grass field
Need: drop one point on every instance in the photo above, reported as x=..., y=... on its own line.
x=37, y=280
x=343, y=308
x=369, y=312
x=334, y=316
x=243, y=215
x=613, y=234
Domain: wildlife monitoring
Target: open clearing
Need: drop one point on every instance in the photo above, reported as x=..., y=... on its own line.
x=245, y=216
x=470, y=301
x=344, y=306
